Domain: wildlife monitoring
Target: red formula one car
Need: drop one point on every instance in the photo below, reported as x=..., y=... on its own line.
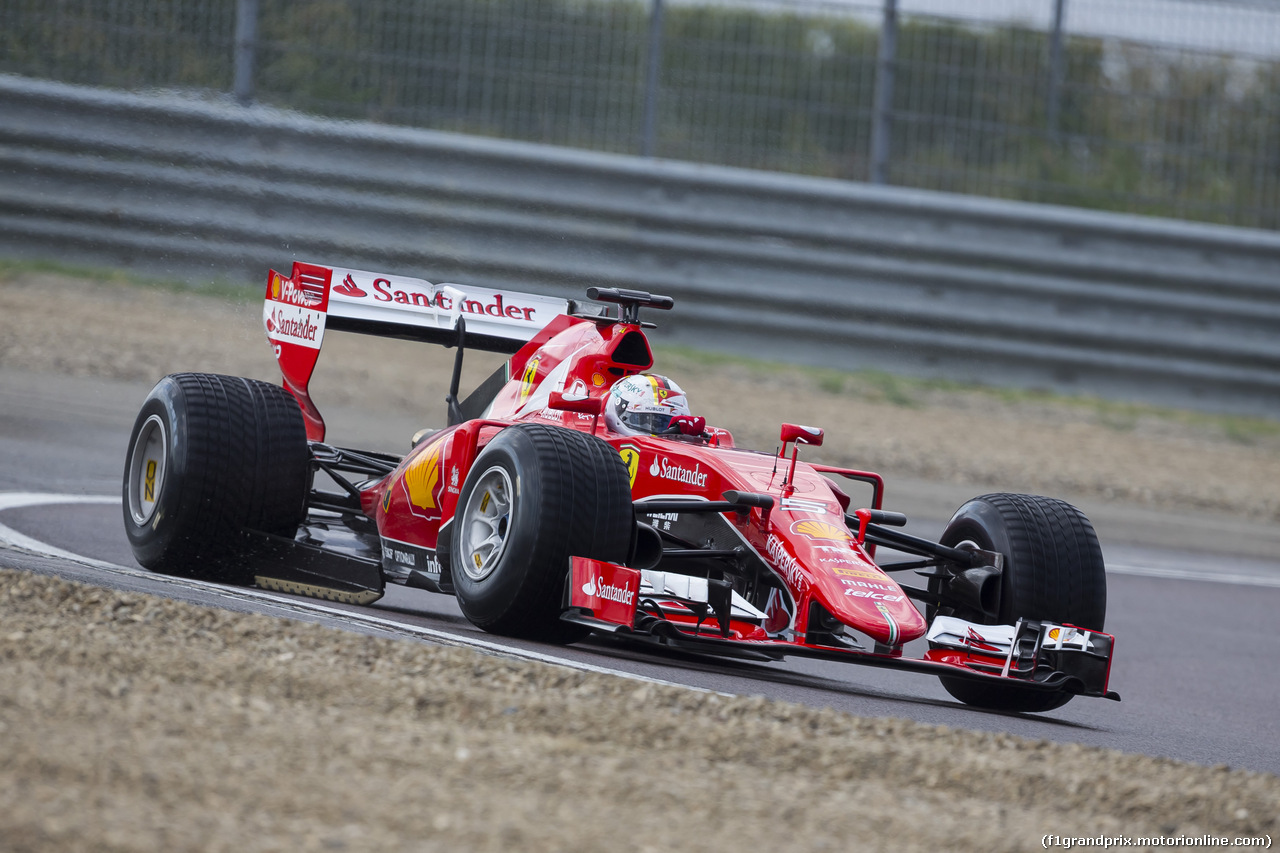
x=574, y=493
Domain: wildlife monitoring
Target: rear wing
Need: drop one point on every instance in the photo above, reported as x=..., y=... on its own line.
x=300, y=307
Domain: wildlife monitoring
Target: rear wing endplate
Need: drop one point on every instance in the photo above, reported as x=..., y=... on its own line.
x=300, y=307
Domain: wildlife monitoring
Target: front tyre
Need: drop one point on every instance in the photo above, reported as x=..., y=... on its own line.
x=1053, y=570
x=210, y=456
x=536, y=496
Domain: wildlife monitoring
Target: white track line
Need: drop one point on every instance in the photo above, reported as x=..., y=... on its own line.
x=19, y=500
x=12, y=538
x=1191, y=575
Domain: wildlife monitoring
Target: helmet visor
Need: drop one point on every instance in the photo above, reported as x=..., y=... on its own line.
x=650, y=422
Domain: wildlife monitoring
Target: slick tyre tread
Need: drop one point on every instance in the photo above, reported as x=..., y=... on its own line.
x=279, y=476
x=236, y=458
x=573, y=498
x=1053, y=570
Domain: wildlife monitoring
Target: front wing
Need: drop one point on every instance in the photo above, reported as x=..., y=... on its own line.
x=706, y=616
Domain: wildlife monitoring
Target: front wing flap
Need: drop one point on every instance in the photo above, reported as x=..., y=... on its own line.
x=1032, y=650
x=1035, y=654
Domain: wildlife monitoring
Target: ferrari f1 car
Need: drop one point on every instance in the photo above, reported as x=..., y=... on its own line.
x=572, y=493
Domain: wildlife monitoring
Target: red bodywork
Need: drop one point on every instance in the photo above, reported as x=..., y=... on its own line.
x=803, y=539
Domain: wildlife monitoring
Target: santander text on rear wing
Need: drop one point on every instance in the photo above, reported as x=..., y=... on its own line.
x=300, y=307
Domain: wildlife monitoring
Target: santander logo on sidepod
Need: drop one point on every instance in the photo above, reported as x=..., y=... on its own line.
x=694, y=476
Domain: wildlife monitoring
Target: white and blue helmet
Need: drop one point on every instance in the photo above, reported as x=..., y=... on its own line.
x=644, y=405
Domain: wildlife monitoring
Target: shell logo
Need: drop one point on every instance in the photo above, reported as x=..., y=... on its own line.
x=422, y=482
x=275, y=285
x=816, y=530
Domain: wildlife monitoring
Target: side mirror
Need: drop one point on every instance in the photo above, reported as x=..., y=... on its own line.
x=802, y=434
x=582, y=405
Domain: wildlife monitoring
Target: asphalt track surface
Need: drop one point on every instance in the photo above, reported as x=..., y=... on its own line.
x=1196, y=634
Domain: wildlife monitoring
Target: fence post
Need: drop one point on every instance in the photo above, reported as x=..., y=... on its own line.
x=1055, y=69
x=882, y=108
x=246, y=49
x=652, y=73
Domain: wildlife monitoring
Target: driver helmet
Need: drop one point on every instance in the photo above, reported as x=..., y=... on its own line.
x=644, y=404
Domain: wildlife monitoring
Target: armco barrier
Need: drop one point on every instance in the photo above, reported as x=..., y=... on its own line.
x=775, y=266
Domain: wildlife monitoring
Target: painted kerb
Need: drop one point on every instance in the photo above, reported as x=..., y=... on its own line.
x=775, y=266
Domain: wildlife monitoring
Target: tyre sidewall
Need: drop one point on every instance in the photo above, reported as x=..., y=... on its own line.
x=981, y=523
x=1068, y=588
x=235, y=459
x=158, y=538
x=571, y=496
x=488, y=599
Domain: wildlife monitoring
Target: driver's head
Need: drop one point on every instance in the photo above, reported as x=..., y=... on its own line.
x=644, y=405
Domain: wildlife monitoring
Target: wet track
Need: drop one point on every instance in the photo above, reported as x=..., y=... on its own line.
x=1196, y=634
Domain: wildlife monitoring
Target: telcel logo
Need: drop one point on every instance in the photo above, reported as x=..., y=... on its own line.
x=872, y=594
x=608, y=592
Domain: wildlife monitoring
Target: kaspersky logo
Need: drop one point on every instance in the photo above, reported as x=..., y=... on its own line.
x=786, y=563
x=607, y=591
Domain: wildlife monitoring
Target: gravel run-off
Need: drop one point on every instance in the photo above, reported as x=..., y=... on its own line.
x=129, y=722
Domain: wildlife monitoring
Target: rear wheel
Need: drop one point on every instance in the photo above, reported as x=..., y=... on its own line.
x=210, y=456
x=536, y=496
x=1053, y=570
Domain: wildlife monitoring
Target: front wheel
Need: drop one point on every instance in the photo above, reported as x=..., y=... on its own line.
x=1053, y=570
x=536, y=496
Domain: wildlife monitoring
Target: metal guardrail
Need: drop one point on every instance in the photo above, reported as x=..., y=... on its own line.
x=1149, y=106
x=774, y=266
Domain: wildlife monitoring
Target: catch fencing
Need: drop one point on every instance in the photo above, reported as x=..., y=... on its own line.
x=1166, y=107
x=774, y=266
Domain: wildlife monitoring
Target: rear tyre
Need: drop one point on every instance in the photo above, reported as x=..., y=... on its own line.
x=210, y=456
x=1053, y=570
x=536, y=496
